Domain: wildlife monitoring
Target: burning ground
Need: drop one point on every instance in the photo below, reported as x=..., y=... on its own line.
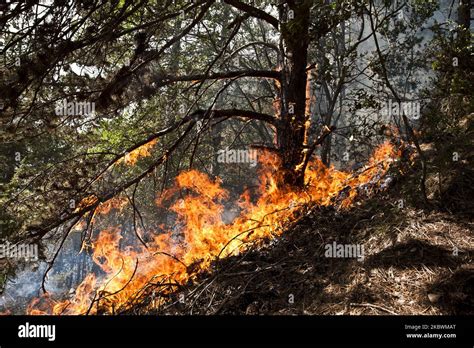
x=173, y=84
x=271, y=259
x=409, y=267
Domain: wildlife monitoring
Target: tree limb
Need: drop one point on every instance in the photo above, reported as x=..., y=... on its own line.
x=254, y=12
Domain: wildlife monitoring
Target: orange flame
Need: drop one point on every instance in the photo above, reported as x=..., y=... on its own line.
x=103, y=208
x=205, y=237
x=132, y=157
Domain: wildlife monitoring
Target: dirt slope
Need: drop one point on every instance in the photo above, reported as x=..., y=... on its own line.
x=416, y=262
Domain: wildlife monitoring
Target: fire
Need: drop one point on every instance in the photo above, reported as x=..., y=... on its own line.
x=204, y=237
x=132, y=157
x=86, y=202
x=118, y=203
x=102, y=208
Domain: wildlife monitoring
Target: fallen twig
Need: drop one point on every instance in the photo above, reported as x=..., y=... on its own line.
x=372, y=306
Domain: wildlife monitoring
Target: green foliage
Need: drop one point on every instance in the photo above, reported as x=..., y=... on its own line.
x=448, y=120
x=451, y=97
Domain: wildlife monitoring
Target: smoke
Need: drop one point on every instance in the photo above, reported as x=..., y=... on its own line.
x=66, y=274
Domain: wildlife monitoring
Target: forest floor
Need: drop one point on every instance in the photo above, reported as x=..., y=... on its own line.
x=417, y=261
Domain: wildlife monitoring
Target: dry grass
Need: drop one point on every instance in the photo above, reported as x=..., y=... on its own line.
x=410, y=267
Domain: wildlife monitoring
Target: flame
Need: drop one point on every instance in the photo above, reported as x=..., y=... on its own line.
x=203, y=236
x=104, y=208
x=132, y=157
x=118, y=203
x=86, y=202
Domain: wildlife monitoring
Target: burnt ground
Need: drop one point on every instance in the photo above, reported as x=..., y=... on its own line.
x=410, y=267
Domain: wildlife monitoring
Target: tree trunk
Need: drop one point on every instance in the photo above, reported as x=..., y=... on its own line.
x=326, y=151
x=218, y=129
x=293, y=126
x=464, y=14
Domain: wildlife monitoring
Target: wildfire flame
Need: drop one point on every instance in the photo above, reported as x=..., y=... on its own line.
x=132, y=157
x=205, y=237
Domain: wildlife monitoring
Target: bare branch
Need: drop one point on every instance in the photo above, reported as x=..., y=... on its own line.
x=254, y=12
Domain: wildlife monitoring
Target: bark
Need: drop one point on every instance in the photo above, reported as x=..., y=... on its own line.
x=464, y=14
x=326, y=151
x=292, y=128
x=218, y=129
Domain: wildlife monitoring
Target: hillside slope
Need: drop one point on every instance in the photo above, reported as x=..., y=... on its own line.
x=417, y=261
